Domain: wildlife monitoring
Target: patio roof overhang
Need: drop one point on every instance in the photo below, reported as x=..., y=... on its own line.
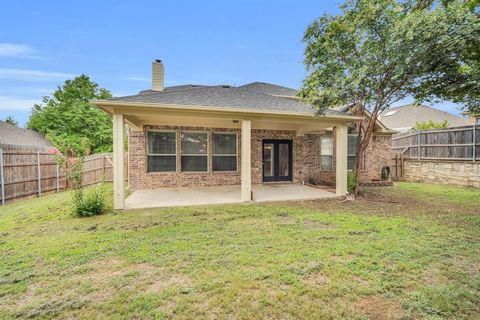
x=139, y=114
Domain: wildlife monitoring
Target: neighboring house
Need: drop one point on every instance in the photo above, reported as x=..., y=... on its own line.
x=15, y=138
x=196, y=135
x=404, y=118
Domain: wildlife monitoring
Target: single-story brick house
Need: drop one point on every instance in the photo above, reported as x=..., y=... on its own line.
x=196, y=135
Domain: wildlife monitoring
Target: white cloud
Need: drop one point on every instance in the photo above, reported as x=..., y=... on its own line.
x=135, y=78
x=15, y=50
x=33, y=75
x=16, y=103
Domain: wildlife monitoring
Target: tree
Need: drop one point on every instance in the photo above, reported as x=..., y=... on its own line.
x=458, y=78
x=377, y=52
x=68, y=120
x=11, y=120
x=427, y=125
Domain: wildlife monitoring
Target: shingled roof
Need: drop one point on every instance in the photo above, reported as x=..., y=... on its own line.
x=271, y=89
x=12, y=136
x=252, y=96
x=403, y=118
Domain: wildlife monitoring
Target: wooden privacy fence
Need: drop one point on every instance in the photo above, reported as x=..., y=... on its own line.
x=455, y=143
x=27, y=173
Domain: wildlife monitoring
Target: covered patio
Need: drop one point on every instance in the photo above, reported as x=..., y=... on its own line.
x=198, y=144
x=190, y=196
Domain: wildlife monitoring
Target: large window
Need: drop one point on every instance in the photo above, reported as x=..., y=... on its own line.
x=224, y=152
x=161, y=151
x=326, y=152
x=194, y=151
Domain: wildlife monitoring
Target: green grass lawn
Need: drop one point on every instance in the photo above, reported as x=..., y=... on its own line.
x=409, y=251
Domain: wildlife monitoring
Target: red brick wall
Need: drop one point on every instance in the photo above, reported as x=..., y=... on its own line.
x=306, y=159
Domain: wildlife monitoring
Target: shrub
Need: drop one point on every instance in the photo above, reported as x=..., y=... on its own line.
x=351, y=181
x=89, y=204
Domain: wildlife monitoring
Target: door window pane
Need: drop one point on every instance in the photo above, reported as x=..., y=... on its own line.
x=326, y=152
x=283, y=161
x=161, y=151
x=268, y=167
x=224, y=152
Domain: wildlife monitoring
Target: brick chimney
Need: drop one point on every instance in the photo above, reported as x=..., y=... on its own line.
x=157, y=75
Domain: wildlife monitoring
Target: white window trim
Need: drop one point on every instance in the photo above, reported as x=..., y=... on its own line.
x=162, y=154
x=225, y=154
x=331, y=137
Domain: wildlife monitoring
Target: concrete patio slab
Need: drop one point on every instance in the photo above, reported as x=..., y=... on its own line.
x=189, y=196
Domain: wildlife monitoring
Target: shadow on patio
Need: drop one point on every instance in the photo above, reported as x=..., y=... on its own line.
x=187, y=196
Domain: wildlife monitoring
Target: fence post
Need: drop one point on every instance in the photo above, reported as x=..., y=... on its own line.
x=2, y=178
x=474, y=144
x=39, y=175
x=104, y=170
x=58, y=178
x=418, y=148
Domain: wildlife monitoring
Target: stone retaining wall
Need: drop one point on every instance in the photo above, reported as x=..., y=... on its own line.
x=463, y=173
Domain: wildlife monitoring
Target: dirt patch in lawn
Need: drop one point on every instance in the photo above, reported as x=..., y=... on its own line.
x=97, y=281
x=379, y=308
x=285, y=220
x=317, y=279
x=315, y=224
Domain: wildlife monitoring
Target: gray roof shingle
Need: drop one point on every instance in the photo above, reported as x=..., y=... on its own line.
x=268, y=88
x=404, y=118
x=221, y=97
x=11, y=135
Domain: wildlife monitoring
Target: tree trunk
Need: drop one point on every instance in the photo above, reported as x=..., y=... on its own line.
x=362, y=143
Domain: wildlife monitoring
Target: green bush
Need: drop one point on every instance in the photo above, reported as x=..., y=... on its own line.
x=90, y=203
x=351, y=181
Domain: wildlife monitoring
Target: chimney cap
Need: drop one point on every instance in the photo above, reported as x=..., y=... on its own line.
x=158, y=61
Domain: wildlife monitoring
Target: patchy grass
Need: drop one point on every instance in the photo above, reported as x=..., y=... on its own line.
x=410, y=251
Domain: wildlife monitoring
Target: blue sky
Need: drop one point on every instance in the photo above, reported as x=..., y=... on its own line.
x=43, y=43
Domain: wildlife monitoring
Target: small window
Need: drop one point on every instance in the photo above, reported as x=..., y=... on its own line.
x=194, y=151
x=224, y=152
x=161, y=151
x=351, y=151
x=326, y=152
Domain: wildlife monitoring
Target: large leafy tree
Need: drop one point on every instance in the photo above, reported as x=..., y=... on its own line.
x=377, y=52
x=70, y=122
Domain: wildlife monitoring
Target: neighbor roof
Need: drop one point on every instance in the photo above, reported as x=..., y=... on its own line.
x=404, y=118
x=15, y=136
x=223, y=96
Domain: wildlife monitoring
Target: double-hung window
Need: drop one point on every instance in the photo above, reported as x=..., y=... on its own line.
x=351, y=150
x=161, y=151
x=194, y=151
x=224, y=152
x=326, y=152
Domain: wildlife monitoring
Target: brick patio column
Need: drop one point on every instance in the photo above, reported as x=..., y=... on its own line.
x=246, y=160
x=341, y=137
x=118, y=162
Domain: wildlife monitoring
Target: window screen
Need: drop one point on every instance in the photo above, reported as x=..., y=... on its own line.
x=326, y=152
x=351, y=151
x=224, y=152
x=194, y=151
x=161, y=151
